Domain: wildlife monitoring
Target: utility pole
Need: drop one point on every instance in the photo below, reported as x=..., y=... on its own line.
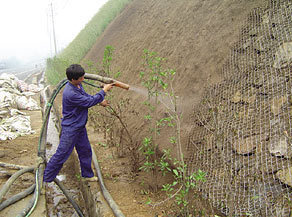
x=54, y=35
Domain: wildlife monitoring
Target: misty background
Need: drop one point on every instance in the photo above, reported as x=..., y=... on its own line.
x=28, y=28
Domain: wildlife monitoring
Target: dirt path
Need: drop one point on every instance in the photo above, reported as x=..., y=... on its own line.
x=22, y=151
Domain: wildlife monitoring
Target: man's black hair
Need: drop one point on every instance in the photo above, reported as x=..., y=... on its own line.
x=74, y=71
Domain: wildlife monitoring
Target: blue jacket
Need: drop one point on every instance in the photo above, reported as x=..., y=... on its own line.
x=75, y=105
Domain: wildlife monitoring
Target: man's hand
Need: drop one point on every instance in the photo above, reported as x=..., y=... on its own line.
x=104, y=103
x=107, y=87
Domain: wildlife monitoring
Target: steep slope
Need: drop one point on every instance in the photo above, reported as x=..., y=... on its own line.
x=194, y=36
x=197, y=38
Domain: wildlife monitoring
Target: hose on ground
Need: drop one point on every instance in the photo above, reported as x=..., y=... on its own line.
x=117, y=212
x=17, y=197
x=74, y=204
x=12, y=179
x=11, y=166
x=32, y=203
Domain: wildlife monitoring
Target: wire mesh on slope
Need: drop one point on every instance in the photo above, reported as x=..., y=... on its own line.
x=243, y=136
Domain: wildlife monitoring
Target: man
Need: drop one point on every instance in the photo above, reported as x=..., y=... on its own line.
x=75, y=105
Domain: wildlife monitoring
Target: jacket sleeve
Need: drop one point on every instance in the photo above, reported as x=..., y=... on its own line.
x=86, y=100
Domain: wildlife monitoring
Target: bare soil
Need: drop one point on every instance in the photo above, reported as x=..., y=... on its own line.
x=195, y=37
x=20, y=151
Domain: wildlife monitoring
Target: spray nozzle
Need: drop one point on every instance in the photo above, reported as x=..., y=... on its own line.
x=121, y=85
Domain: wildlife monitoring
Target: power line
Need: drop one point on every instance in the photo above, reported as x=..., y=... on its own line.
x=49, y=33
x=53, y=24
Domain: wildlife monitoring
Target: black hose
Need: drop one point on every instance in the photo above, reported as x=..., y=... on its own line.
x=12, y=179
x=11, y=166
x=74, y=204
x=33, y=202
x=106, y=194
x=17, y=197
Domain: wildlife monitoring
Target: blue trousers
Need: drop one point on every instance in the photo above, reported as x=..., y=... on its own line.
x=69, y=139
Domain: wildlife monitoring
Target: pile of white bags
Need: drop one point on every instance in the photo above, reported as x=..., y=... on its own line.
x=24, y=87
x=14, y=95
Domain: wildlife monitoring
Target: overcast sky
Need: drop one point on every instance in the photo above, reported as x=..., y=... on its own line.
x=26, y=25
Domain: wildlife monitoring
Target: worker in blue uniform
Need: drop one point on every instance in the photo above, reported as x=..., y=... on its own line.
x=75, y=106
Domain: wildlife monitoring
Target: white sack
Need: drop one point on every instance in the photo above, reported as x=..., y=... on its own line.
x=24, y=103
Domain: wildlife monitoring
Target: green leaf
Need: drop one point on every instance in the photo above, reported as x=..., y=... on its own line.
x=173, y=140
x=142, y=74
x=148, y=117
x=148, y=201
x=175, y=172
x=117, y=74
